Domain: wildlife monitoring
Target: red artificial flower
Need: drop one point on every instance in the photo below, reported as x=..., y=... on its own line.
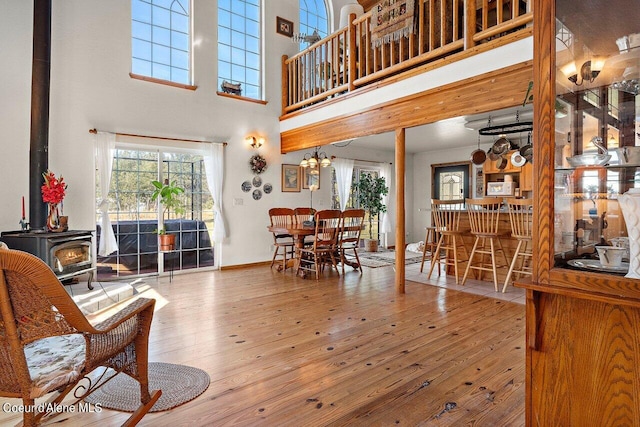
x=53, y=189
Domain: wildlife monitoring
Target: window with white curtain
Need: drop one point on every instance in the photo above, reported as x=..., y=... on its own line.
x=161, y=39
x=353, y=199
x=135, y=217
x=240, y=45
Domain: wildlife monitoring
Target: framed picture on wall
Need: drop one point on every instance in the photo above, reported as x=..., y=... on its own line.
x=291, y=178
x=284, y=27
x=309, y=178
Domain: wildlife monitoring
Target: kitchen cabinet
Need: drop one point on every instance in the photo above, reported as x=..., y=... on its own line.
x=521, y=176
x=583, y=324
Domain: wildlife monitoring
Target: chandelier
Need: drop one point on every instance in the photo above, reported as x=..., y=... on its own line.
x=315, y=159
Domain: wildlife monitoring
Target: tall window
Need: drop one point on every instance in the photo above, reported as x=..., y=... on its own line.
x=239, y=45
x=313, y=17
x=161, y=39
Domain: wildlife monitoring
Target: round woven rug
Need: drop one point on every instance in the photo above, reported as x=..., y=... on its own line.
x=179, y=384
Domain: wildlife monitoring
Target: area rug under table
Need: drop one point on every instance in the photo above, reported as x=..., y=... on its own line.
x=386, y=258
x=179, y=384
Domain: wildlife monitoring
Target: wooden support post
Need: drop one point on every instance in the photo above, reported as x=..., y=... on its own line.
x=400, y=226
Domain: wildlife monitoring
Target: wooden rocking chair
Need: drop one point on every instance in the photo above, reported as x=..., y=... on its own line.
x=47, y=344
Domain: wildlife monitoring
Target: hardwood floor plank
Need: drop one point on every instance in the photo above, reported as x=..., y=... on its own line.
x=343, y=350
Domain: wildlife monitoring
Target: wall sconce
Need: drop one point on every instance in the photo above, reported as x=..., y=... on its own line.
x=588, y=71
x=254, y=142
x=312, y=160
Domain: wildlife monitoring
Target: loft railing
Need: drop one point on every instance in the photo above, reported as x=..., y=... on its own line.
x=347, y=59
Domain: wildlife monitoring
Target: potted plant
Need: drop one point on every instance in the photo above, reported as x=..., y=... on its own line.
x=168, y=194
x=370, y=190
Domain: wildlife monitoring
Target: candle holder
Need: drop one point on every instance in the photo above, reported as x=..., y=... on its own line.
x=24, y=225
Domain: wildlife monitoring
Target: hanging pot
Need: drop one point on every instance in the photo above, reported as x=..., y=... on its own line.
x=517, y=159
x=501, y=163
x=478, y=156
x=526, y=151
x=501, y=146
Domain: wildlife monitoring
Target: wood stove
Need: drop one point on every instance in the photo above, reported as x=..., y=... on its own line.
x=68, y=253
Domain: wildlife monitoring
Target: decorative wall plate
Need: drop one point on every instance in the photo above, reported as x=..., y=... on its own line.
x=246, y=186
x=257, y=194
x=257, y=181
x=267, y=188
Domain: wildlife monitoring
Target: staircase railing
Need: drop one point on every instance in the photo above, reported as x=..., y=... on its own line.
x=347, y=59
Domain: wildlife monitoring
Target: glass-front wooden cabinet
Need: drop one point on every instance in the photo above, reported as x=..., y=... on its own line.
x=596, y=150
x=583, y=320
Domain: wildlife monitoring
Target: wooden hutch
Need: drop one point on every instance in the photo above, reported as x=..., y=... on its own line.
x=583, y=325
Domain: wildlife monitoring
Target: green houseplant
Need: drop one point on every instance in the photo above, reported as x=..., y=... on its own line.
x=370, y=190
x=168, y=194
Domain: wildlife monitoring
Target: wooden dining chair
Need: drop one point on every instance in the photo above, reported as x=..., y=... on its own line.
x=521, y=218
x=349, y=239
x=484, y=219
x=283, y=243
x=301, y=215
x=450, y=249
x=324, y=246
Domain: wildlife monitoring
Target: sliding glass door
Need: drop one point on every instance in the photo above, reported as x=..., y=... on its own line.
x=135, y=217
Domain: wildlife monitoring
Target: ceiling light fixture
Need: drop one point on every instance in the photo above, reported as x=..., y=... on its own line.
x=315, y=159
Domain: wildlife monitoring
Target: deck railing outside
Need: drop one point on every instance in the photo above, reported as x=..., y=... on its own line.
x=347, y=59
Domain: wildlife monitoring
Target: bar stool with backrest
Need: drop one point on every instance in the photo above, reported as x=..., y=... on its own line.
x=521, y=217
x=325, y=241
x=349, y=239
x=284, y=244
x=484, y=217
x=301, y=215
x=446, y=218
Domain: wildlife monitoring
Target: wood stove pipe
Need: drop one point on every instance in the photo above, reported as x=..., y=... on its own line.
x=40, y=85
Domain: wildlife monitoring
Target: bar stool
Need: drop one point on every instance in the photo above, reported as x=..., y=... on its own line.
x=446, y=218
x=521, y=217
x=484, y=216
x=430, y=244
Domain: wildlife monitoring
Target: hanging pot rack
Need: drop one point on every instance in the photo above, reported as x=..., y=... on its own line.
x=515, y=127
x=507, y=128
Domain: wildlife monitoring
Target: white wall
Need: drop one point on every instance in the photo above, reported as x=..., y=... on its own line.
x=422, y=183
x=91, y=88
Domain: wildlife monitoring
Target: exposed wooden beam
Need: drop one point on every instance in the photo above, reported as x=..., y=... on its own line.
x=496, y=90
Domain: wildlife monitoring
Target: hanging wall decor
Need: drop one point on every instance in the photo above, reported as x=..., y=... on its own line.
x=258, y=164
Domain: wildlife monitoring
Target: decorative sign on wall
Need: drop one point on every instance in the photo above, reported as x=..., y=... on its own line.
x=284, y=27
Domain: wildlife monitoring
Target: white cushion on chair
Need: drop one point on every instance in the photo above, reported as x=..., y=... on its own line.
x=54, y=362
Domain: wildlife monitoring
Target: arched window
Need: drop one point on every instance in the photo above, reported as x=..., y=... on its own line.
x=239, y=46
x=313, y=17
x=161, y=39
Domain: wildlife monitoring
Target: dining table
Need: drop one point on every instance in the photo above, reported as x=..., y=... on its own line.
x=299, y=232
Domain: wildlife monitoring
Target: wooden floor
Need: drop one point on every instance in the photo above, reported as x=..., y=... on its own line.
x=342, y=351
